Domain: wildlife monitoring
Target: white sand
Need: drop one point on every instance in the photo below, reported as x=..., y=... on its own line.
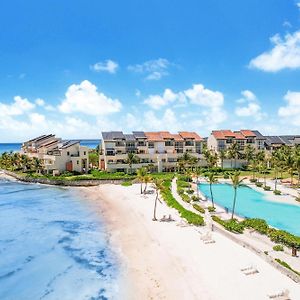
x=165, y=261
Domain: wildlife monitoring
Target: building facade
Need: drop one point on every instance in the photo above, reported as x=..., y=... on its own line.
x=57, y=155
x=158, y=150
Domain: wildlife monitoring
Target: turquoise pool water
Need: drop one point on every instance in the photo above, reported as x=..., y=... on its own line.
x=253, y=204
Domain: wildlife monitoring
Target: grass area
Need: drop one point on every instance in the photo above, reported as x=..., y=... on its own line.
x=127, y=183
x=189, y=216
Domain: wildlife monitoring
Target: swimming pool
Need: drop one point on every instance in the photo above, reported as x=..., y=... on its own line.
x=253, y=204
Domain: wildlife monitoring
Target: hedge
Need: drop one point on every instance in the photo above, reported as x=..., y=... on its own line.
x=189, y=216
x=199, y=208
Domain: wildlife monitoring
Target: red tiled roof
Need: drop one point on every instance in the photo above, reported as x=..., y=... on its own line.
x=223, y=134
x=247, y=133
x=239, y=136
x=154, y=136
x=177, y=137
x=190, y=135
x=166, y=135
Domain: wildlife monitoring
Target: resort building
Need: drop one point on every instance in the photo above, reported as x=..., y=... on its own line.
x=57, y=155
x=274, y=142
x=160, y=150
x=223, y=139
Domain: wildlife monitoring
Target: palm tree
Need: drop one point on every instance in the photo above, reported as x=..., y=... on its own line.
x=147, y=179
x=263, y=169
x=211, y=179
x=131, y=159
x=158, y=186
x=236, y=182
x=222, y=156
x=249, y=153
x=233, y=152
x=197, y=173
x=141, y=173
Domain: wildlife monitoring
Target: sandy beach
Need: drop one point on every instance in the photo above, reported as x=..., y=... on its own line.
x=162, y=260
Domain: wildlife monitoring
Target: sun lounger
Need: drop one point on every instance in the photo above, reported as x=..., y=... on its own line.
x=284, y=295
x=251, y=272
x=207, y=238
x=247, y=268
x=163, y=219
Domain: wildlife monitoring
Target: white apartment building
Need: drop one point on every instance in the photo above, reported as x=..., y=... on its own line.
x=223, y=139
x=159, y=149
x=57, y=155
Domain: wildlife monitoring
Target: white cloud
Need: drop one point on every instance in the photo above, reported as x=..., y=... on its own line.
x=18, y=107
x=251, y=108
x=40, y=102
x=84, y=98
x=285, y=54
x=153, y=69
x=109, y=66
x=291, y=112
x=157, y=101
x=298, y=4
x=201, y=96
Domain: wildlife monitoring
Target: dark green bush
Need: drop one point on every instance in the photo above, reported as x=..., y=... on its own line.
x=190, y=191
x=211, y=209
x=226, y=176
x=234, y=226
x=199, y=208
x=258, y=224
x=267, y=188
x=259, y=184
x=195, y=198
x=253, y=180
x=277, y=192
x=191, y=217
x=278, y=248
x=185, y=198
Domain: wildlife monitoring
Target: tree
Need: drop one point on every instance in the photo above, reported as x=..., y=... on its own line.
x=197, y=173
x=236, y=182
x=132, y=159
x=158, y=186
x=233, y=152
x=147, y=179
x=249, y=152
x=141, y=173
x=211, y=179
x=222, y=156
x=186, y=161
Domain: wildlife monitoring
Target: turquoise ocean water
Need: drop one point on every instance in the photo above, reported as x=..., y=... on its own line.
x=253, y=204
x=53, y=245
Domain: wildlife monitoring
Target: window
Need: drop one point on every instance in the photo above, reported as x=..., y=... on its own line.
x=84, y=152
x=77, y=162
x=169, y=143
x=150, y=144
x=110, y=153
x=68, y=153
x=178, y=144
x=189, y=143
x=141, y=143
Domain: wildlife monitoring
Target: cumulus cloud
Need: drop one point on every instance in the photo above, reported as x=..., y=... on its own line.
x=251, y=106
x=18, y=107
x=109, y=66
x=199, y=95
x=40, y=102
x=84, y=98
x=291, y=111
x=153, y=69
x=158, y=101
x=285, y=54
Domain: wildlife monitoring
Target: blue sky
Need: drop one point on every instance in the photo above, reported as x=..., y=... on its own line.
x=76, y=68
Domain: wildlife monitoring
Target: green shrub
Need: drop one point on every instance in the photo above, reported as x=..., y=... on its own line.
x=259, y=184
x=189, y=216
x=258, y=224
x=267, y=188
x=266, y=252
x=286, y=265
x=186, y=198
x=277, y=192
x=195, y=198
x=278, y=248
x=226, y=176
x=199, y=208
x=234, y=226
x=180, y=191
x=183, y=184
x=211, y=209
x=284, y=237
x=190, y=191
x=253, y=180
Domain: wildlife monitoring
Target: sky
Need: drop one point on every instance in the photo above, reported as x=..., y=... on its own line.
x=76, y=68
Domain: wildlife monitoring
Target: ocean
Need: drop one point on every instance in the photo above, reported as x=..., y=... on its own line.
x=53, y=245
x=8, y=147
